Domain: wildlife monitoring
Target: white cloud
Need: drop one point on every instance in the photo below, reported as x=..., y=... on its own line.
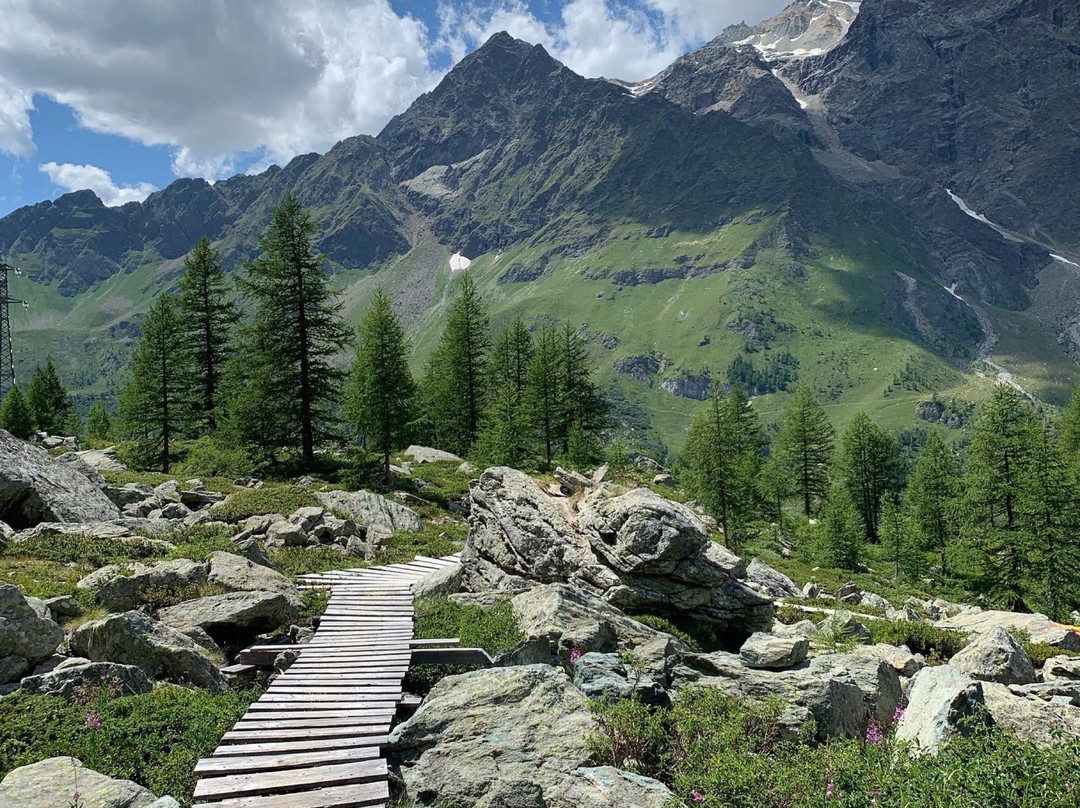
x=16, y=137
x=697, y=20
x=73, y=177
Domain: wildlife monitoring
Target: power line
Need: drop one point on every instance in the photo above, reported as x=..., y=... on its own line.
x=7, y=355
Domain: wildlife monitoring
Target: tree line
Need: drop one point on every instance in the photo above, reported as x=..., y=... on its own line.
x=1003, y=513
x=254, y=366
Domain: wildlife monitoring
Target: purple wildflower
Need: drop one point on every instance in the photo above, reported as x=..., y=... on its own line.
x=697, y=796
x=575, y=655
x=93, y=722
x=873, y=734
x=898, y=713
x=830, y=790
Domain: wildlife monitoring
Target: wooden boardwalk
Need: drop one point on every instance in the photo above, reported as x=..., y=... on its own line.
x=315, y=739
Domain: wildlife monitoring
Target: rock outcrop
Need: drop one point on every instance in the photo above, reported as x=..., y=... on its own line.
x=26, y=637
x=66, y=680
x=636, y=551
x=36, y=488
x=231, y=617
x=995, y=657
x=370, y=510
x=52, y=783
x=120, y=587
x=1039, y=627
x=942, y=702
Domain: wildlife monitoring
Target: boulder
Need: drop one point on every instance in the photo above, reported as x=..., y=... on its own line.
x=1039, y=627
x=63, y=606
x=286, y=534
x=133, y=638
x=446, y=581
x=36, y=488
x=66, y=680
x=994, y=656
x=1061, y=668
x=605, y=677
x=248, y=547
x=942, y=702
x=370, y=510
x=770, y=582
x=900, y=657
x=232, y=615
x=308, y=517
x=507, y=738
x=199, y=499
x=637, y=551
x=608, y=787
x=73, y=460
x=772, y=652
x=425, y=454
x=241, y=575
x=1030, y=719
x=26, y=638
x=124, y=586
x=844, y=626
x=52, y=783
x=102, y=459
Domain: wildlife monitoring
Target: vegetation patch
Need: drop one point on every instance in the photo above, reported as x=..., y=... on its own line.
x=246, y=502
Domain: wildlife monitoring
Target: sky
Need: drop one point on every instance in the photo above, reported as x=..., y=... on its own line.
x=124, y=96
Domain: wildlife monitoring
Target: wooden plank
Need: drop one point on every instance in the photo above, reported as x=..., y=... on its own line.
x=363, y=795
x=290, y=780
x=306, y=715
x=451, y=656
x=432, y=643
x=285, y=747
x=258, y=708
x=291, y=760
x=306, y=734
x=373, y=723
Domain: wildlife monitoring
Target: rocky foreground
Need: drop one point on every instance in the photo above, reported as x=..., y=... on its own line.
x=589, y=570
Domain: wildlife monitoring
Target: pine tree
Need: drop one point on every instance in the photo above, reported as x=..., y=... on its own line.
x=150, y=403
x=15, y=415
x=806, y=443
x=381, y=395
x=842, y=529
x=775, y=486
x=999, y=458
x=1070, y=429
x=1049, y=504
x=297, y=329
x=98, y=424
x=870, y=466
x=900, y=541
x=542, y=392
x=931, y=497
x=207, y=313
x=581, y=407
x=505, y=439
x=48, y=400
x=454, y=389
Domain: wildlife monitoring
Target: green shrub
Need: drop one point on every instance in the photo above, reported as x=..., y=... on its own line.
x=936, y=644
x=283, y=499
x=154, y=739
x=315, y=603
x=161, y=596
x=434, y=541
x=1041, y=651
x=208, y=457
x=665, y=625
x=41, y=579
x=91, y=550
x=293, y=561
x=199, y=542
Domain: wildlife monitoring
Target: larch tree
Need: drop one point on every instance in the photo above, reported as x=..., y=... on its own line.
x=296, y=331
x=542, y=393
x=48, y=400
x=381, y=396
x=98, y=424
x=581, y=407
x=931, y=497
x=207, y=314
x=842, y=529
x=151, y=403
x=870, y=467
x=15, y=415
x=806, y=443
x=506, y=438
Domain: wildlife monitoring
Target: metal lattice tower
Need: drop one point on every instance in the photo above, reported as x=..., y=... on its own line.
x=7, y=355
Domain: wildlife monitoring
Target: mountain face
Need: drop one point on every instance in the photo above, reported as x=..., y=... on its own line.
x=760, y=199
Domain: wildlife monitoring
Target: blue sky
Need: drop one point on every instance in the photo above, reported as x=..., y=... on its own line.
x=124, y=96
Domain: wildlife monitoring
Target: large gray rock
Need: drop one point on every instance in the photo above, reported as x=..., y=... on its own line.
x=1039, y=627
x=942, y=702
x=36, y=488
x=52, y=783
x=425, y=454
x=371, y=510
x=446, y=581
x=1032, y=720
x=241, y=575
x=773, y=652
x=508, y=738
x=26, y=638
x=637, y=551
x=844, y=626
x=73, y=460
x=608, y=787
x=231, y=615
x=286, y=534
x=605, y=677
x=995, y=656
x=133, y=638
x=102, y=459
x=67, y=680
x=1061, y=668
x=120, y=587
x=770, y=582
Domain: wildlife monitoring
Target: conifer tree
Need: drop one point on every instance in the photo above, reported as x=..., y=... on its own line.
x=207, y=313
x=150, y=403
x=1070, y=429
x=900, y=541
x=48, y=400
x=297, y=329
x=870, y=466
x=506, y=439
x=1049, y=503
x=15, y=415
x=542, y=392
x=842, y=529
x=775, y=485
x=98, y=424
x=454, y=389
x=931, y=497
x=999, y=458
x=806, y=443
x=581, y=407
x=381, y=395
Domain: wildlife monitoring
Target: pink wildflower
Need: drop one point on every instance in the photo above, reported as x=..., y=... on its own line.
x=873, y=734
x=697, y=796
x=575, y=655
x=898, y=713
x=93, y=722
x=830, y=790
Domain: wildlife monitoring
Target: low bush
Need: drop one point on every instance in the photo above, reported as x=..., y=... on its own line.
x=208, y=457
x=936, y=644
x=665, y=625
x=199, y=542
x=293, y=561
x=283, y=499
x=78, y=548
x=434, y=541
x=38, y=578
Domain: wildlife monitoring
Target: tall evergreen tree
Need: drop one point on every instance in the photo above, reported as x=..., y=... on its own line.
x=775, y=485
x=1070, y=429
x=150, y=403
x=721, y=461
x=381, y=395
x=1049, y=504
x=98, y=424
x=999, y=458
x=806, y=443
x=581, y=406
x=297, y=329
x=543, y=392
x=454, y=391
x=900, y=540
x=207, y=313
x=506, y=438
x=47, y=400
x=15, y=415
x=931, y=496
x=842, y=529
x=870, y=466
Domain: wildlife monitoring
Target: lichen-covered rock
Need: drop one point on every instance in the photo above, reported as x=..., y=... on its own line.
x=425, y=454
x=608, y=787
x=1039, y=627
x=286, y=534
x=52, y=783
x=772, y=652
x=942, y=702
x=605, y=677
x=1061, y=668
x=26, y=638
x=66, y=680
x=995, y=656
x=232, y=615
x=770, y=582
x=120, y=587
x=371, y=510
x=446, y=581
x=163, y=653
x=36, y=488
x=242, y=575
x=844, y=625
